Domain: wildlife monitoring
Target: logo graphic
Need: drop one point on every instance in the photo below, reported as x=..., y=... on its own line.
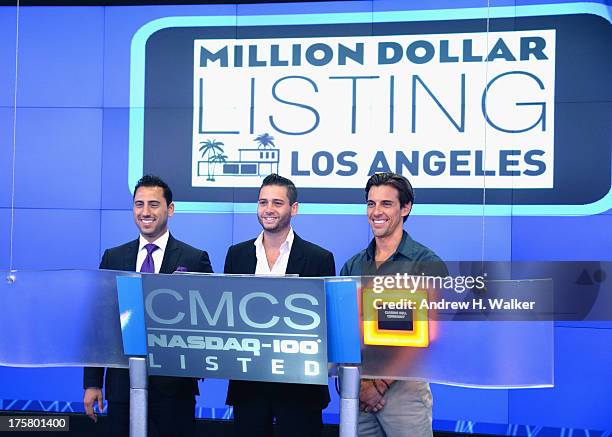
x=348, y=107
x=481, y=122
x=260, y=161
x=224, y=327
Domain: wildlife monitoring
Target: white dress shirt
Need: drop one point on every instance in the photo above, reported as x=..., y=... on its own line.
x=280, y=266
x=158, y=254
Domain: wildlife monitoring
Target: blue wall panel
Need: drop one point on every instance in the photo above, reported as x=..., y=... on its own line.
x=6, y=155
x=596, y=324
x=479, y=405
x=58, y=150
x=115, y=190
x=8, y=24
x=562, y=238
x=581, y=397
x=5, y=237
x=212, y=393
x=60, y=57
x=464, y=238
x=44, y=384
x=314, y=7
x=56, y=239
x=394, y=5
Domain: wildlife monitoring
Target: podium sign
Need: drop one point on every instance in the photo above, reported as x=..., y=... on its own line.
x=250, y=328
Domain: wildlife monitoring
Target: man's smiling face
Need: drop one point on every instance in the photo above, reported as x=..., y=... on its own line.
x=273, y=209
x=151, y=212
x=385, y=213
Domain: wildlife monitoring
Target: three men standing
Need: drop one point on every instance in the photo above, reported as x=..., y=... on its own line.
x=171, y=400
x=278, y=250
x=388, y=407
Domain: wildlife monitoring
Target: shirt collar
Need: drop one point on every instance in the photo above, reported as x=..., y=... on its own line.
x=161, y=242
x=404, y=249
x=285, y=247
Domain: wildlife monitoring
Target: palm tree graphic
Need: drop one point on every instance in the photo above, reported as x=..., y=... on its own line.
x=265, y=141
x=212, y=152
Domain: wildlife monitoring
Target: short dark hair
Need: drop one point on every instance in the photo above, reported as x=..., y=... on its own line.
x=150, y=180
x=275, y=179
x=397, y=181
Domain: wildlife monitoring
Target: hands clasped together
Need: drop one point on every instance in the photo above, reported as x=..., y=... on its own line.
x=371, y=394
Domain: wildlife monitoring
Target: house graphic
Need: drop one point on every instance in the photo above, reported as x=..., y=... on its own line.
x=253, y=162
x=260, y=161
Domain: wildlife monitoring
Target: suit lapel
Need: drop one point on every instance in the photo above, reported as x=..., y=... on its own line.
x=171, y=256
x=250, y=259
x=130, y=256
x=295, y=265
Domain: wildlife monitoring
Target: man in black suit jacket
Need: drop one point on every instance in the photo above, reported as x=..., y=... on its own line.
x=278, y=250
x=171, y=400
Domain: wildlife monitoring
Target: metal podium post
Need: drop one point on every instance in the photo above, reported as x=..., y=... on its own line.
x=138, y=397
x=349, y=400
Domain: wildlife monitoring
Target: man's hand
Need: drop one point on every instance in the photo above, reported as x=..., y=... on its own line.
x=92, y=395
x=370, y=398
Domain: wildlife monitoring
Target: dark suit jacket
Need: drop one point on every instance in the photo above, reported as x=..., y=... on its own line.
x=306, y=259
x=117, y=381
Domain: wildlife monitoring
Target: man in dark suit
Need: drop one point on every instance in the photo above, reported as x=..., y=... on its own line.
x=278, y=250
x=171, y=400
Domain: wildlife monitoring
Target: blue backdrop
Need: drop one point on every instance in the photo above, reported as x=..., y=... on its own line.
x=72, y=200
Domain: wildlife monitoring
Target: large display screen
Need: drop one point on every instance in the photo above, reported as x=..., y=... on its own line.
x=499, y=113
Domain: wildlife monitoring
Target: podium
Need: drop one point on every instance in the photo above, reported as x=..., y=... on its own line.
x=91, y=318
x=275, y=329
